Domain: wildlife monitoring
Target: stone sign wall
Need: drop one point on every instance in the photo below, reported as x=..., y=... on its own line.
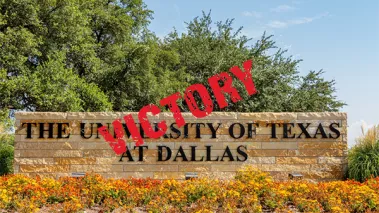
x=59, y=144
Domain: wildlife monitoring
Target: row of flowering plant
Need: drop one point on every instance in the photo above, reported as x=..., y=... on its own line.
x=250, y=191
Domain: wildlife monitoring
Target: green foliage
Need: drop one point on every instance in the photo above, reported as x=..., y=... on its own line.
x=98, y=55
x=54, y=52
x=205, y=51
x=52, y=78
x=364, y=156
x=6, y=143
x=6, y=159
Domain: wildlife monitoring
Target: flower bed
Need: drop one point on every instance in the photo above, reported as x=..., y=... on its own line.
x=250, y=191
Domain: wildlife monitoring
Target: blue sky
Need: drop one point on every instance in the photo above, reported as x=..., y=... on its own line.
x=340, y=37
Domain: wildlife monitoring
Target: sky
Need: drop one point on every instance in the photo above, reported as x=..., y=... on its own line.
x=340, y=36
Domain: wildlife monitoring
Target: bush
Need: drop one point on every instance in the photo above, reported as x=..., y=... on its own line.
x=6, y=159
x=364, y=157
x=94, y=193
x=6, y=143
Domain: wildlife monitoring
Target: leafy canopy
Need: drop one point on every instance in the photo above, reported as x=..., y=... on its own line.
x=205, y=51
x=98, y=55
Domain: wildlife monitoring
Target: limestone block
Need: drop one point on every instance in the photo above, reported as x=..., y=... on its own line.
x=194, y=168
x=322, y=145
x=199, y=145
x=40, y=115
x=150, y=168
x=296, y=160
x=48, y=153
x=96, y=168
x=44, y=168
x=332, y=160
x=322, y=116
x=71, y=161
x=260, y=160
x=249, y=145
x=286, y=116
x=279, y=175
x=224, y=168
x=119, y=175
x=279, y=145
x=312, y=174
x=32, y=161
x=326, y=167
x=108, y=160
x=25, y=145
x=169, y=175
x=99, y=153
x=267, y=153
x=94, y=145
x=320, y=152
x=218, y=175
x=285, y=167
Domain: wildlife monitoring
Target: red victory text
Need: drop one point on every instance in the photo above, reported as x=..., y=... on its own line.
x=118, y=144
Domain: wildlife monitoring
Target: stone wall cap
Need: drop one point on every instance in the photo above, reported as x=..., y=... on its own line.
x=188, y=115
x=40, y=115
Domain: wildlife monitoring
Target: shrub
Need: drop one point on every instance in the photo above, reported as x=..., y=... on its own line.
x=6, y=143
x=6, y=159
x=19, y=193
x=364, y=156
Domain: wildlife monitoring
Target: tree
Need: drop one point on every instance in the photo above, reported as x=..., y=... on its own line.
x=54, y=53
x=205, y=51
x=98, y=55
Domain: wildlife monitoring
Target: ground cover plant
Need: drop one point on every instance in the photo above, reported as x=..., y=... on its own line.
x=250, y=191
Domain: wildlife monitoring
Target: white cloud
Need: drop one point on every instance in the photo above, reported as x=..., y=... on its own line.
x=282, y=8
x=288, y=47
x=252, y=14
x=355, y=130
x=256, y=32
x=304, y=20
x=278, y=24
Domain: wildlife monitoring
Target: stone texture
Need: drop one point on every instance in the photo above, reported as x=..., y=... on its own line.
x=322, y=145
x=296, y=160
x=285, y=167
x=201, y=145
x=96, y=168
x=279, y=145
x=319, y=175
x=194, y=168
x=322, y=116
x=93, y=145
x=127, y=174
x=327, y=167
x=40, y=115
x=169, y=175
x=224, y=168
x=259, y=160
x=71, y=161
x=98, y=153
x=32, y=161
x=332, y=160
x=218, y=175
x=44, y=168
x=268, y=153
x=267, y=116
x=150, y=168
x=319, y=152
x=47, y=153
x=315, y=158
